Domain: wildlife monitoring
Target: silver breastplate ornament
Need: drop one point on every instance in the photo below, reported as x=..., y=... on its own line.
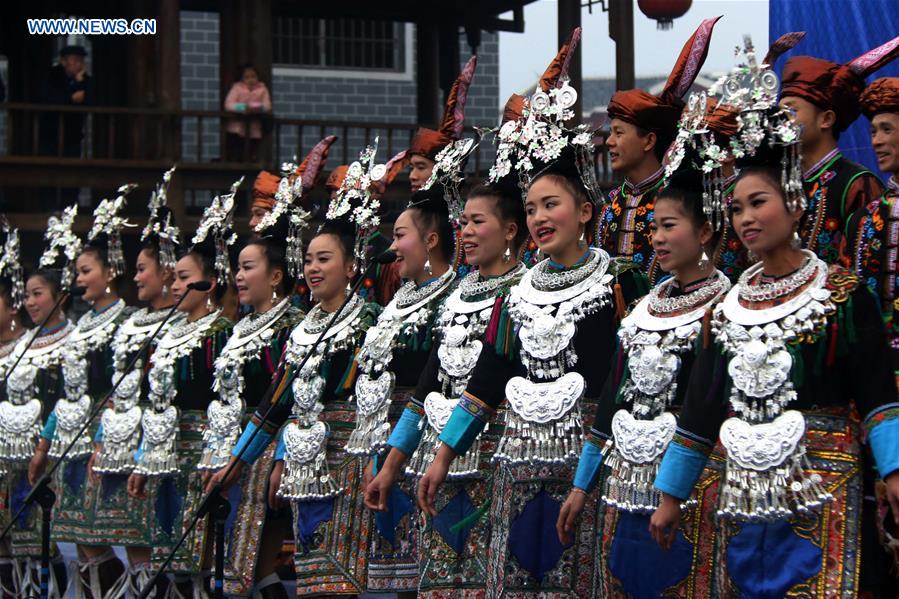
x=248, y=339
x=657, y=332
x=306, y=473
x=767, y=471
x=461, y=327
x=121, y=421
x=159, y=422
x=408, y=313
x=543, y=422
x=94, y=332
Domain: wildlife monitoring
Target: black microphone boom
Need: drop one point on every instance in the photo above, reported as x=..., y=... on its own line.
x=200, y=286
x=214, y=503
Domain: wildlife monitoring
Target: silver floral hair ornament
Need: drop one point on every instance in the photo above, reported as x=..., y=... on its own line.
x=217, y=227
x=449, y=171
x=62, y=243
x=696, y=143
x=10, y=263
x=295, y=181
x=357, y=200
x=751, y=89
x=160, y=224
x=529, y=145
x=109, y=222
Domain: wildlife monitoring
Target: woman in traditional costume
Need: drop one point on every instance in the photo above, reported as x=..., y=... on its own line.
x=658, y=341
x=268, y=267
x=32, y=390
x=390, y=361
x=118, y=519
x=799, y=346
x=180, y=389
x=564, y=313
x=88, y=369
x=452, y=562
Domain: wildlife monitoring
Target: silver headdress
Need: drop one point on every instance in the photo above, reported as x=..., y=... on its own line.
x=449, y=172
x=10, y=263
x=767, y=133
x=62, y=243
x=160, y=224
x=108, y=222
x=215, y=234
x=539, y=139
x=289, y=199
x=696, y=143
x=358, y=201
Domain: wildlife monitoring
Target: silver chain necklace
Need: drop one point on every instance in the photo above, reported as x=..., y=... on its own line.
x=256, y=322
x=546, y=279
x=473, y=285
x=317, y=319
x=410, y=293
x=758, y=292
x=661, y=303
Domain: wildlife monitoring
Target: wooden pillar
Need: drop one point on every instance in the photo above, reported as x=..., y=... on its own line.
x=569, y=17
x=427, y=73
x=449, y=59
x=621, y=30
x=259, y=31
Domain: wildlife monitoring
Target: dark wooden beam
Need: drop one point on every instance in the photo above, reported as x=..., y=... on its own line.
x=621, y=30
x=428, y=73
x=569, y=12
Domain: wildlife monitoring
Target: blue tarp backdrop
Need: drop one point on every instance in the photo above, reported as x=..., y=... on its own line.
x=840, y=30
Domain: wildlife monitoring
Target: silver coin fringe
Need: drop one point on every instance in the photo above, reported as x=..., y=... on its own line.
x=773, y=494
x=629, y=486
x=464, y=466
x=556, y=442
x=371, y=432
x=308, y=480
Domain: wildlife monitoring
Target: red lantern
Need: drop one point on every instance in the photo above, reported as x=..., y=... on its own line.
x=664, y=11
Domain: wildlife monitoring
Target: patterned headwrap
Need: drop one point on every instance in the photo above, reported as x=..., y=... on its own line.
x=832, y=86
x=429, y=142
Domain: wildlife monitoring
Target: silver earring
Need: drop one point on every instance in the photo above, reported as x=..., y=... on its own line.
x=12, y=325
x=108, y=290
x=507, y=255
x=796, y=242
x=165, y=289
x=582, y=240
x=274, y=295
x=428, y=270
x=349, y=287
x=209, y=305
x=703, y=260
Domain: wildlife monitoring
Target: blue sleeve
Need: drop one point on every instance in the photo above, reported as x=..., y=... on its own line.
x=883, y=437
x=680, y=469
x=255, y=447
x=49, y=429
x=468, y=419
x=98, y=436
x=281, y=449
x=588, y=466
x=407, y=433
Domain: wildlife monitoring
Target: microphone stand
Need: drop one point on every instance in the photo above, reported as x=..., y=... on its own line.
x=41, y=493
x=214, y=503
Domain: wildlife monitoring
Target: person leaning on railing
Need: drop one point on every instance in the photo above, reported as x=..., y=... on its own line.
x=247, y=95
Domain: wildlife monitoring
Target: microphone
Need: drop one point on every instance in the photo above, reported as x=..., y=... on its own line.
x=385, y=257
x=77, y=291
x=200, y=286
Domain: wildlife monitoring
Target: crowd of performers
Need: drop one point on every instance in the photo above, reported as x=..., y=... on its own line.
x=685, y=387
